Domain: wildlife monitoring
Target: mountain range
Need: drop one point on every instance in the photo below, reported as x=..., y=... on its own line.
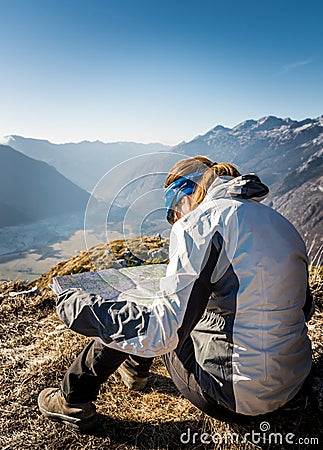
x=272, y=147
x=285, y=153
x=85, y=162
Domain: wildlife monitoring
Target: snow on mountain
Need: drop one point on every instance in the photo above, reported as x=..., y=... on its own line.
x=271, y=145
x=5, y=140
x=245, y=125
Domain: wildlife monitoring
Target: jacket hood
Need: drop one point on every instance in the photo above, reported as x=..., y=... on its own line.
x=245, y=186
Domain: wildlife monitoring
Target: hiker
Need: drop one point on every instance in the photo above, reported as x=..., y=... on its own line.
x=230, y=315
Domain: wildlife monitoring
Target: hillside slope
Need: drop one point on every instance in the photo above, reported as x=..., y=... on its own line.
x=31, y=190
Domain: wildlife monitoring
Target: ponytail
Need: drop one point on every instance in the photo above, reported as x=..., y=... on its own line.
x=216, y=170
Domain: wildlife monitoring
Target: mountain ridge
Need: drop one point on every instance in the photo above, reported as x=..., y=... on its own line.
x=84, y=162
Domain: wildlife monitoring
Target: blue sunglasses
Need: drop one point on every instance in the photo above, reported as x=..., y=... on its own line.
x=177, y=190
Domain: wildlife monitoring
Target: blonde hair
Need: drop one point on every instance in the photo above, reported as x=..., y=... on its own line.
x=186, y=166
x=199, y=164
x=216, y=170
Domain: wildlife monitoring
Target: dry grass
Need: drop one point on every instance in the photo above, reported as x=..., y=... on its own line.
x=36, y=349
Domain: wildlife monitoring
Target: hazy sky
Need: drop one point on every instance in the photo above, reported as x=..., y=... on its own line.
x=155, y=70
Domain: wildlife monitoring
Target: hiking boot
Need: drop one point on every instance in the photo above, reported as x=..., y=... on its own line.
x=132, y=381
x=53, y=405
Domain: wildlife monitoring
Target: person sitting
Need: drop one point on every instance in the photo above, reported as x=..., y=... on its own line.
x=230, y=316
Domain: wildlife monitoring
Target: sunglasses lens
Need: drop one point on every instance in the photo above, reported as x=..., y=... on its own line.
x=170, y=216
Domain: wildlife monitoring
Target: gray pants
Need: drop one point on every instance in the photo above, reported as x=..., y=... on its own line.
x=93, y=366
x=97, y=362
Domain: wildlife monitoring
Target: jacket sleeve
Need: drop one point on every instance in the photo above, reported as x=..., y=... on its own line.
x=148, y=330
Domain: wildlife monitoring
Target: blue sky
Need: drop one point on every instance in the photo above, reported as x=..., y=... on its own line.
x=155, y=70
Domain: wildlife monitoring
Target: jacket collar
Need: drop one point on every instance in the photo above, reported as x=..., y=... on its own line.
x=245, y=186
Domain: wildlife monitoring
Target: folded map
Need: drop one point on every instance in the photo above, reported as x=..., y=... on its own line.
x=138, y=283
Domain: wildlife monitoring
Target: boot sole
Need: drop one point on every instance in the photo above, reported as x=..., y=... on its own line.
x=74, y=422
